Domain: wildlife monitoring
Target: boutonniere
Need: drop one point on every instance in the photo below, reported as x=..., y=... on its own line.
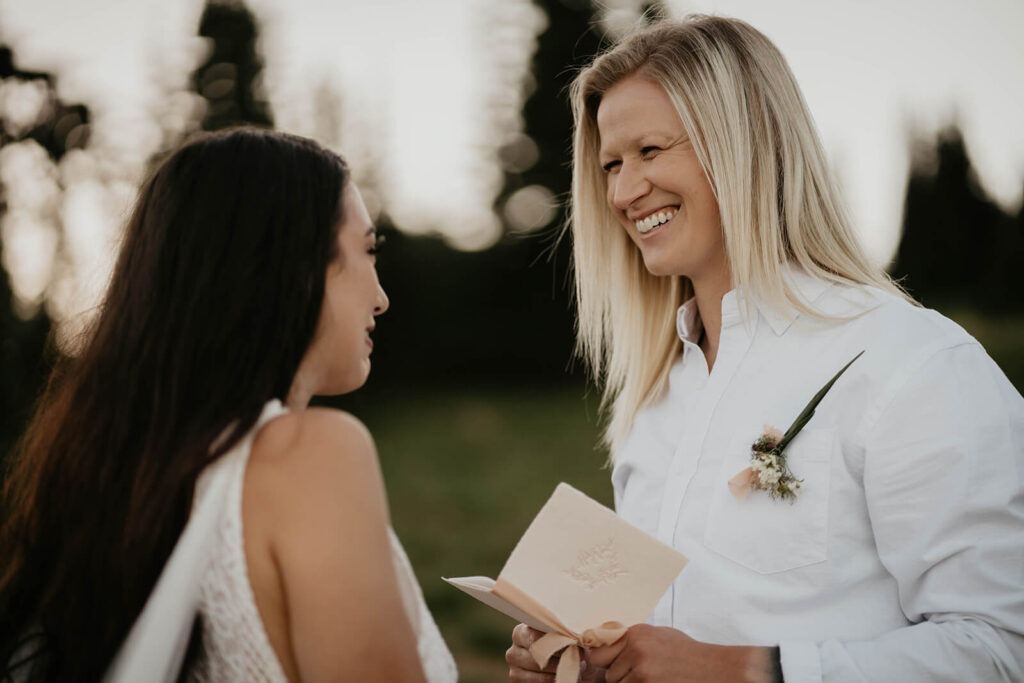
x=768, y=469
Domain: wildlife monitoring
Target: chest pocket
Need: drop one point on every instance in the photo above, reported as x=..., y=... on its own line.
x=768, y=535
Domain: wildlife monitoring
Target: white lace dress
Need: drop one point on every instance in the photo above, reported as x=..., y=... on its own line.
x=235, y=643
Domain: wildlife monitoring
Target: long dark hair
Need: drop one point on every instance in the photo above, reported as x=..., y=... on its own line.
x=213, y=303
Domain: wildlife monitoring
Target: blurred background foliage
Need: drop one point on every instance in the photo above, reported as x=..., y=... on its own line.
x=476, y=402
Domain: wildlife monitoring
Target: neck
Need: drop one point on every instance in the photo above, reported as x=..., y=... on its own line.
x=709, y=292
x=300, y=392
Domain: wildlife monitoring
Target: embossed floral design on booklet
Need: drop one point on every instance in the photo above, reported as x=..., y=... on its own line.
x=579, y=571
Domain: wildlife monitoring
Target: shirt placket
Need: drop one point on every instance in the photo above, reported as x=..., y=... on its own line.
x=704, y=393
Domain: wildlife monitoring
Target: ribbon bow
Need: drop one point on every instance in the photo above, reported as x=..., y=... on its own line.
x=568, y=670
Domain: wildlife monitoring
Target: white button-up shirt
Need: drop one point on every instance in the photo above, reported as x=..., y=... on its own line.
x=903, y=557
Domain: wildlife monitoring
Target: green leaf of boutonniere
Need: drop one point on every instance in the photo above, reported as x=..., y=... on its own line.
x=808, y=412
x=768, y=469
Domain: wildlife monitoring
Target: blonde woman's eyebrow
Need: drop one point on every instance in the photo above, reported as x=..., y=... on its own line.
x=663, y=139
x=648, y=139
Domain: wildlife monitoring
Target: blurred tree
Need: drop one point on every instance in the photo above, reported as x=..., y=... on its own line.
x=547, y=113
x=469, y=318
x=55, y=125
x=22, y=365
x=502, y=316
x=1003, y=284
x=958, y=247
x=31, y=111
x=229, y=80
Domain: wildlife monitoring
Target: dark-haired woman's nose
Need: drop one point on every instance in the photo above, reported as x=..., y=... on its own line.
x=382, y=301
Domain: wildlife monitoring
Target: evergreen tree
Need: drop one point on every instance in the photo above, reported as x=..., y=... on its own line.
x=229, y=79
x=62, y=126
x=958, y=247
x=547, y=113
x=58, y=128
x=1002, y=287
x=503, y=315
x=22, y=366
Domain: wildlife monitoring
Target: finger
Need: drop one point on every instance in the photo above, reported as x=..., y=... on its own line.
x=592, y=675
x=519, y=657
x=589, y=670
x=524, y=636
x=605, y=655
x=619, y=669
x=521, y=676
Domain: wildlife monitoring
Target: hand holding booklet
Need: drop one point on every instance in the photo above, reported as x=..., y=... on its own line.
x=581, y=574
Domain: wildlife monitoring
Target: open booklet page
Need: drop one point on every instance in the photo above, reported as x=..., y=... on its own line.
x=578, y=566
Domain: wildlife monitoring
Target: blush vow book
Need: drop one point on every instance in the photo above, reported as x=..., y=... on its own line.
x=578, y=566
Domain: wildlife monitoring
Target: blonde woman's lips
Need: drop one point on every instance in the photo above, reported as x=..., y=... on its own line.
x=656, y=219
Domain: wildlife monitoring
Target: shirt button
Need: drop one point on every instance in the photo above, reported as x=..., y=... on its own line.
x=701, y=384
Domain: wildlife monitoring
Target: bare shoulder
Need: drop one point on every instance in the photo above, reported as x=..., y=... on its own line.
x=315, y=455
x=312, y=430
x=312, y=438
x=313, y=492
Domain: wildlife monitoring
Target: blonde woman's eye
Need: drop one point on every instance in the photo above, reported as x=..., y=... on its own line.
x=611, y=165
x=647, y=151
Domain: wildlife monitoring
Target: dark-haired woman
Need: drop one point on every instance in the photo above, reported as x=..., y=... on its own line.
x=175, y=509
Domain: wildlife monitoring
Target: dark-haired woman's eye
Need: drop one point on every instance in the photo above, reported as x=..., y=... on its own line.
x=378, y=242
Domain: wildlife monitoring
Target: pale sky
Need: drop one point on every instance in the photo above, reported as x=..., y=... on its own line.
x=873, y=71
x=420, y=95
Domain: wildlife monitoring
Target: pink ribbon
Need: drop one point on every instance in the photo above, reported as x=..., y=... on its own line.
x=743, y=483
x=568, y=670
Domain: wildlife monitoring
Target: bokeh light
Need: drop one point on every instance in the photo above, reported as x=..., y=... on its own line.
x=426, y=101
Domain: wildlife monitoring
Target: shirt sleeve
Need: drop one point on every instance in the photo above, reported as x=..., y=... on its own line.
x=944, y=482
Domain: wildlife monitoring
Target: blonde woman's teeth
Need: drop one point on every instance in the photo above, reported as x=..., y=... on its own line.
x=654, y=220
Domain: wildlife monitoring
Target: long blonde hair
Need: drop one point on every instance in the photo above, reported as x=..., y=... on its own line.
x=754, y=136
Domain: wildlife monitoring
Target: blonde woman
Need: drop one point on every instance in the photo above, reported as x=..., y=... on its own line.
x=720, y=286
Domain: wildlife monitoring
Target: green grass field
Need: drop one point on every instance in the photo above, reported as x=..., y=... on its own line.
x=1002, y=337
x=465, y=475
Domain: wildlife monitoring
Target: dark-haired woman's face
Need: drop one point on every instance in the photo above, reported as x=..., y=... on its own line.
x=338, y=361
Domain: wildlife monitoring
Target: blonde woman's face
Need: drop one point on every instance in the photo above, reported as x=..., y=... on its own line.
x=656, y=186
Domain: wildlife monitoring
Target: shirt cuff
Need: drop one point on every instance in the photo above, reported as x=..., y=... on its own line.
x=800, y=661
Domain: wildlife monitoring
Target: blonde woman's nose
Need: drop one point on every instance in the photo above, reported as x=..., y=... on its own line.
x=629, y=184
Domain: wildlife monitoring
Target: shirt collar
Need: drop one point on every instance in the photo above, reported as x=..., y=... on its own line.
x=806, y=288
x=688, y=323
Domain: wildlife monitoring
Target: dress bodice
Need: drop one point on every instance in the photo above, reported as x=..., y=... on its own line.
x=235, y=642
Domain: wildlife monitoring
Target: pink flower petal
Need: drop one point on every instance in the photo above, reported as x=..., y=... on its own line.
x=743, y=483
x=773, y=433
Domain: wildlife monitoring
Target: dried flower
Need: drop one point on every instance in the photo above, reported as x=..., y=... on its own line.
x=768, y=469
